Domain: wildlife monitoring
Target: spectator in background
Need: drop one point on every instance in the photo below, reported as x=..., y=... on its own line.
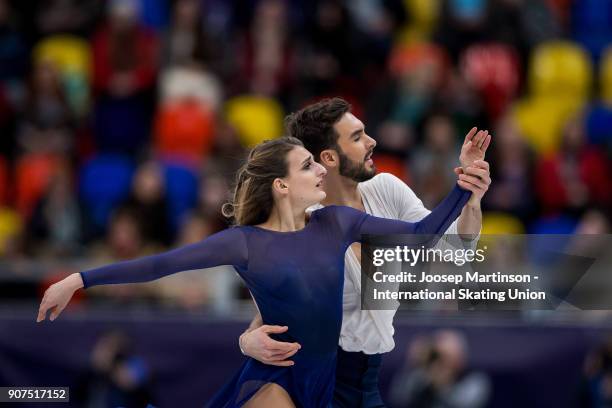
x=433, y=164
x=575, y=177
x=66, y=16
x=186, y=40
x=436, y=375
x=331, y=59
x=228, y=153
x=266, y=52
x=378, y=23
x=59, y=225
x=124, y=238
x=192, y=290
x=521, y=23
x=116, y=376
x=125, y=69
x=124, y=52
x=148, y=200
x=512, y=166
x=47, y=124
x=596, y=389
x=462, y=23
x=13, y=65
x=213, y=193
x=13, y=52
x=593, y=222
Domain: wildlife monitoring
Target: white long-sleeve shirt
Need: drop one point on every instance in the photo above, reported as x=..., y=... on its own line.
x=371, y=331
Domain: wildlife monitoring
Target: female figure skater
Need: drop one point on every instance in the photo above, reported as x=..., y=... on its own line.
x=293, y=266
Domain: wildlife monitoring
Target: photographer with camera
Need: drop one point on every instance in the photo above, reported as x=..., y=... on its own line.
x=436, y=375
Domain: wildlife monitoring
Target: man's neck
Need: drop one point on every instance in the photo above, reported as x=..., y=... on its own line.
x=342, y=191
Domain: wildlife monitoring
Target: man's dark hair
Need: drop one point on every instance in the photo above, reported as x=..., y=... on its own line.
x=314, y=124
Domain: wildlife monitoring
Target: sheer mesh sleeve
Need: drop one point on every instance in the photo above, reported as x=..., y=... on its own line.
x=227, y=247
x=354, y=223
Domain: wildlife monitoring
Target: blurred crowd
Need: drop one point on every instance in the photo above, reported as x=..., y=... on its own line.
x=122, y=122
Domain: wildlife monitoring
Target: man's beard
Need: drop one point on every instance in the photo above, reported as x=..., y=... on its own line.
x=355, y=171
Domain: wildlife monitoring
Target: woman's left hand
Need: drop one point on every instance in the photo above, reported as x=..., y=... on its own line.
x=474, y=147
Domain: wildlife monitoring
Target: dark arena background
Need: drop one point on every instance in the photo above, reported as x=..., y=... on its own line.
x=122, y=124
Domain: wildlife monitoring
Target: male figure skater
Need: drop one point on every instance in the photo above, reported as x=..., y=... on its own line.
x=338, y=140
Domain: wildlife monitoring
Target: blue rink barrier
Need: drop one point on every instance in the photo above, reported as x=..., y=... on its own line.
x=191, y=358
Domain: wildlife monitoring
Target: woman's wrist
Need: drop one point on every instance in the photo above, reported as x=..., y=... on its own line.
x=76, y=281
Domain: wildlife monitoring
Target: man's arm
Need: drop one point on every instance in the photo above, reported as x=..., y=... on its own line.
x=475, y=171
x=469, y=222
x=256, y=343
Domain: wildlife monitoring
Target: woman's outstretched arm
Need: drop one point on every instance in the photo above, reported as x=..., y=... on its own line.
x=227, y=247
x=355, y=223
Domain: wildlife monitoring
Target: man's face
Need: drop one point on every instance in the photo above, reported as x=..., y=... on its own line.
x=355, y=149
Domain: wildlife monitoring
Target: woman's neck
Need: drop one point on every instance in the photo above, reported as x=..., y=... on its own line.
x=285, y=218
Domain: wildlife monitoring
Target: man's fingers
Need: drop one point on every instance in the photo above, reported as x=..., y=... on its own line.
x=482, y=164
x=274, y=329
x=473, y=180
x=280, y=346
x=469, y=186
x=458, y=170
x=478, y=172
x=283, y=356
x=470, y=135
x=279, y=363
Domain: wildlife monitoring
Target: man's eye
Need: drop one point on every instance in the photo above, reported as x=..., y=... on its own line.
x=308, y=165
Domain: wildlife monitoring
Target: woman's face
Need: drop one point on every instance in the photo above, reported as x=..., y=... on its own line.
x=304, y=181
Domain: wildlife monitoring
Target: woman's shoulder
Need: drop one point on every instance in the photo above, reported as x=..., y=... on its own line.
x=341, y=211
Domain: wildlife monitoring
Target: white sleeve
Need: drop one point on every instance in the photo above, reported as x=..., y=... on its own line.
x=410, y=208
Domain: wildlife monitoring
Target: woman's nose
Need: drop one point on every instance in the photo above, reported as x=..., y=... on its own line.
x=322, y=170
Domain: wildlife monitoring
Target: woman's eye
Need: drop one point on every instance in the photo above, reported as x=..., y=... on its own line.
x=308, y=165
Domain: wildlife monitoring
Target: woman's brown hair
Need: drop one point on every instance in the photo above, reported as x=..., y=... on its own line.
x=253, y=200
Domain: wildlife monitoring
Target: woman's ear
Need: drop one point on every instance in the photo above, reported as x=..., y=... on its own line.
x=279, y=186
x=329, y=158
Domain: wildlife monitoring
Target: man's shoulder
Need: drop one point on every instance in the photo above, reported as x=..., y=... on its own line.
x=383, y=183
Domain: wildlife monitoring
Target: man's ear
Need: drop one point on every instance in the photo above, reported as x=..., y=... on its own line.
x=330, y=158
x=279, y=186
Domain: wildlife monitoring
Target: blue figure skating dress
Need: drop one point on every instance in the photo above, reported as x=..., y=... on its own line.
x=296, y=278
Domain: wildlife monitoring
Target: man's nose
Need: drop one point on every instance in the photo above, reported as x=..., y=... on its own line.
x=371, y=142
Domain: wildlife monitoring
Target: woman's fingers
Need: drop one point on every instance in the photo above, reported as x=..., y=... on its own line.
x=486, y=143
x=42, y=313
x=482, y=139
x=470, y=135
x=52, y=301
